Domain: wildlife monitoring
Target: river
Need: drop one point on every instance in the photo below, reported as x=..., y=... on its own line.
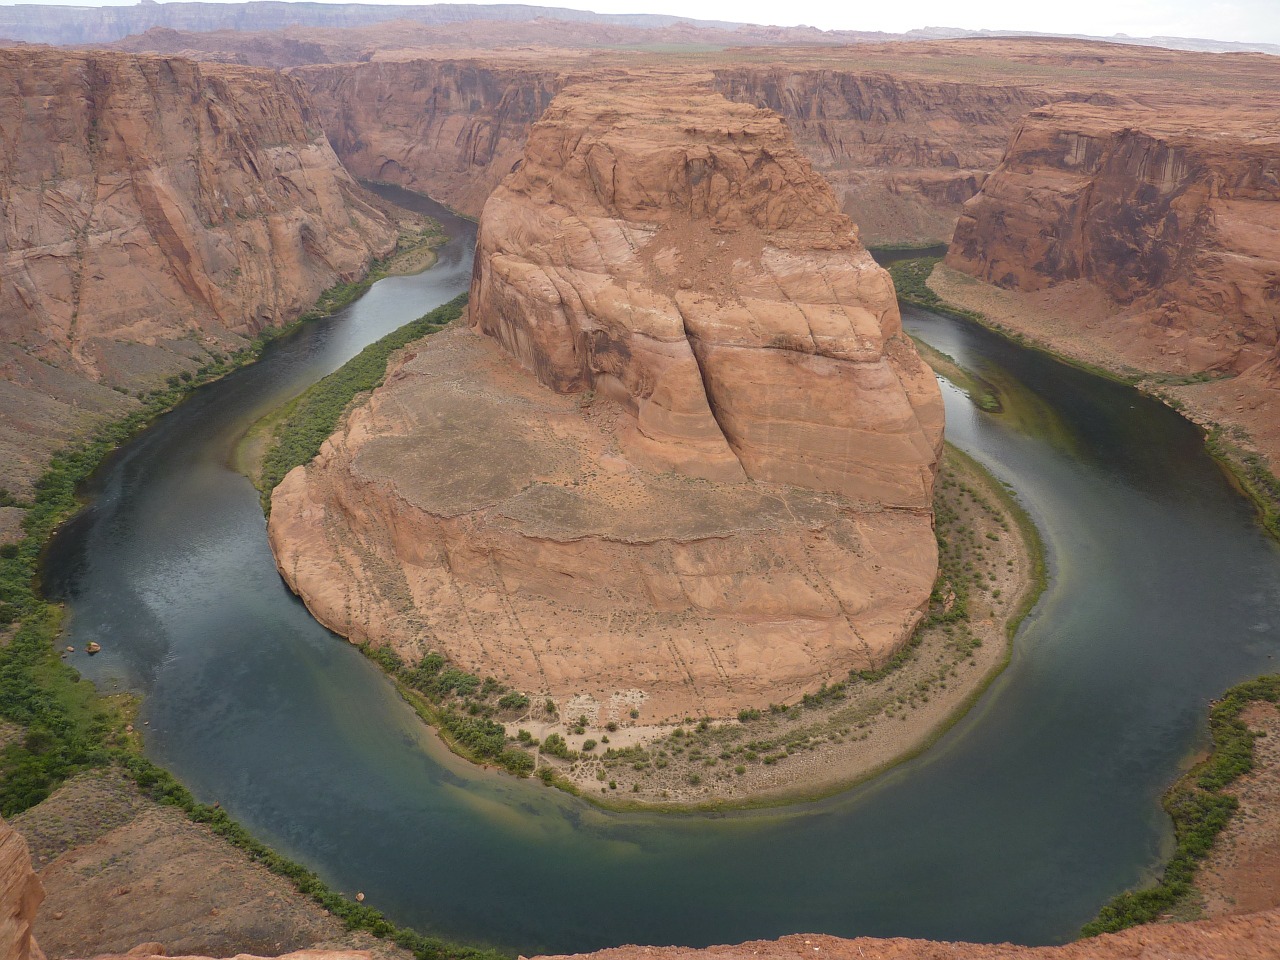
x=1017, y=825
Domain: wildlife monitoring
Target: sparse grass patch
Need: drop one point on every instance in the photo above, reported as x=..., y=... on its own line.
x=313, y=416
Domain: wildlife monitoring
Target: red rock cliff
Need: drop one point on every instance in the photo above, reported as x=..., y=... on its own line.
x=902, y=153
x=154, y=208
x=450, y=129
x=1172, y=216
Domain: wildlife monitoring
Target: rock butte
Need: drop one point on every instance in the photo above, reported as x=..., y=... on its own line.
x=181, y=207
x=689, y=466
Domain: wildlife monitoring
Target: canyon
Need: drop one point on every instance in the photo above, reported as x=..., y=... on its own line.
x=1145, y=242
x=186, y=208
x=690, y=453
x=635, y=482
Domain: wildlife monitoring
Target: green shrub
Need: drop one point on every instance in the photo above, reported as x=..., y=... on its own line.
x=1198, y=808
x=315, y=415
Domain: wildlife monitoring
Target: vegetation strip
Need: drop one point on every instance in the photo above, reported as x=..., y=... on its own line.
x=312, y=417
x=1198, y=807
x=68, y=727
x=910, y=278
x=1199, y=810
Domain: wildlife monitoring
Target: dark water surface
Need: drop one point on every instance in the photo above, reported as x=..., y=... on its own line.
x=1041, y=803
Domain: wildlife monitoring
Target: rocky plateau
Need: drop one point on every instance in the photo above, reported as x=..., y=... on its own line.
x=690, y=453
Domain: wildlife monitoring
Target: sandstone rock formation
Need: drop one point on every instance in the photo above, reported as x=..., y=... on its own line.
x=903, y=153
x=706, y=482
x=20, y=896
x=905, y=132
x=1174, y=217
x=154, y=210
x=689, y=264
x=1252, y=937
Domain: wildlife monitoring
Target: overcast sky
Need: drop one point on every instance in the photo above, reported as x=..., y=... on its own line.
x=1251, y=20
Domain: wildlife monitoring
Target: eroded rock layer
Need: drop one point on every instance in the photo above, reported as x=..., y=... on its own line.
x=903, y=153
x=154, y=209
x=674, y=251
x=20, y=896
x=449, y=128
x=1172, y=216
x=690, y=464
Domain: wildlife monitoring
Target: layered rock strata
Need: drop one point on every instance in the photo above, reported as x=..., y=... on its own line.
x=903, y=153
x=1172, y=217
x=687, y=465
x=449, y=128
x=154, y=210
x=688, y=263
x=20, y=896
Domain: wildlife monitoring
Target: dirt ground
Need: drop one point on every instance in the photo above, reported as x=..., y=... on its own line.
x=1242, y=872
x=120, y=870
x=817, y=749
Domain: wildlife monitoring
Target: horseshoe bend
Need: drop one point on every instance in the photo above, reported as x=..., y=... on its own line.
x=679, y=459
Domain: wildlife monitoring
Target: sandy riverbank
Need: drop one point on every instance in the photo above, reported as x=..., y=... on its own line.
x=811, y=749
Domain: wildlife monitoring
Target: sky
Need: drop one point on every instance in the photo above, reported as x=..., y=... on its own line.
x=1256, y=21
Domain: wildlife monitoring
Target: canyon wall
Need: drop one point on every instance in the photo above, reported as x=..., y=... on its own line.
x=1171, y=216
x=903, y=153
x=154, y=210
x=451, y=129
x=682, y=462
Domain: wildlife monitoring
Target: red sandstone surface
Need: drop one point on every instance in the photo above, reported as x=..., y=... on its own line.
x=689, y=467
x=155, y=210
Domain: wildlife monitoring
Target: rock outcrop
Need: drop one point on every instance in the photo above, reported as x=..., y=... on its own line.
x=1252, y=937
x=1174, y=217
x=154, y=210
x=903, y=153
x=20, y=896
x=688, y=468
x=689, y=264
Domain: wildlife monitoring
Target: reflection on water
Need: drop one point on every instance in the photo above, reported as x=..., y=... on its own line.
x=1017, y=825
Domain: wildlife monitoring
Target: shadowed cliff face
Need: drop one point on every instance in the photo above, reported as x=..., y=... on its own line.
x=450, y=129
x=672, y=304
x=902, y=153
x=1173, y=217
x=154, y=209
